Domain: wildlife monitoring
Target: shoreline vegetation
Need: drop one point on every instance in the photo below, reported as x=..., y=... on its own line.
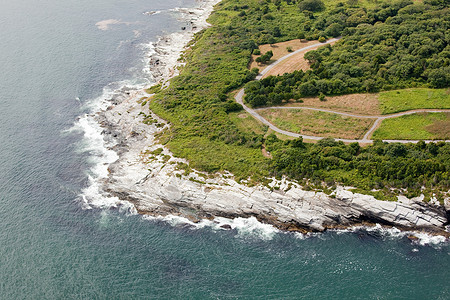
x=197, y=103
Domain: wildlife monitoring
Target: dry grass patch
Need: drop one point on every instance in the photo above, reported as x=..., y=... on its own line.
x=279, y=50
x=440, y=128
x=362, y=104
x=316, y=123
x=294, y=63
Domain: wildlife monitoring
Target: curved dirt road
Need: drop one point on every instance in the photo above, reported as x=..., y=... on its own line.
x=240, y=96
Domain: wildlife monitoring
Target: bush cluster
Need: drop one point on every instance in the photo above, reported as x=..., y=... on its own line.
x=265, y=58
x=378, y=166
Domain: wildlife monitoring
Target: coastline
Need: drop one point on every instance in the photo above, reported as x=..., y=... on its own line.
x=156, y=187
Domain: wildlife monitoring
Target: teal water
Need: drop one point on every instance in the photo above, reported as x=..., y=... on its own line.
x=54, y=63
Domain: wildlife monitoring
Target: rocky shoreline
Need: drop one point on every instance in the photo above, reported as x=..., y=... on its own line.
x=155, y=184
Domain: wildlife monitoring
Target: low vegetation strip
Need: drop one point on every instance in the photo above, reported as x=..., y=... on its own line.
x=246, y=123
x=317, y=123
x=408, y=99
x=391, y=168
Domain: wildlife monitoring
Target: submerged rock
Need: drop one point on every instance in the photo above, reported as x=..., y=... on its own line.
x=226, y=226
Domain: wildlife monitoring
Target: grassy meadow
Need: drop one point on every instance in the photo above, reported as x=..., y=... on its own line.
x=317, y=123
x=409, y=99
x=421, y=126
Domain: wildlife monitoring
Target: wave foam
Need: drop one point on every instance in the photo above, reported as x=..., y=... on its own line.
x=100, y=153
x=244, y=227
x=105, y=24
x=418, y=238
x=152, y=12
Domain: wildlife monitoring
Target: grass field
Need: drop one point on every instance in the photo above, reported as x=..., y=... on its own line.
x=408, y=99
x=317, y=123
x=426, y=126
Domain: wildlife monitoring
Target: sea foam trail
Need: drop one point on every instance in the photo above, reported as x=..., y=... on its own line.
x=251, y=227
x=99, y=150
x=244, y=227
x=418, y=238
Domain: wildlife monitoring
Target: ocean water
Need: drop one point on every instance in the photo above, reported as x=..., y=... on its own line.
x=56, y=64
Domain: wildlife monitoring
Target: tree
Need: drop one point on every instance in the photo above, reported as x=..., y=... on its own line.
x=396, y=149
x=271, y=40
x=232, y=106
x=312, y=5
x=334, y=29
x=307, y=89
x=439, y=78
x=322, y=97
x=265, y=58
x=297, y=143
x=313, y=56
x=276, y=31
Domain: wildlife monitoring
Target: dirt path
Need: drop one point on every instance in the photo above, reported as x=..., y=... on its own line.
x=366, y=139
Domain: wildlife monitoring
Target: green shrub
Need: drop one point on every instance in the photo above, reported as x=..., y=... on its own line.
x=311, y=5
x=265, y=58
x=322, y=97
